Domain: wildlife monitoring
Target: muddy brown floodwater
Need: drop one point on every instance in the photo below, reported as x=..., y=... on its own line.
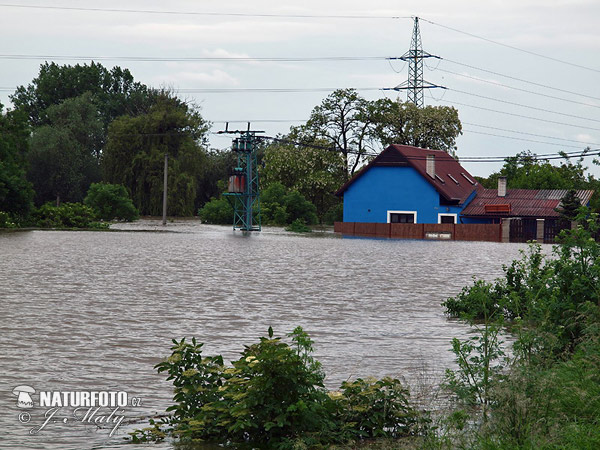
x=95, y=311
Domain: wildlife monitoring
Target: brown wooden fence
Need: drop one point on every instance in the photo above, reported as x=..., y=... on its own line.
x=441, y=231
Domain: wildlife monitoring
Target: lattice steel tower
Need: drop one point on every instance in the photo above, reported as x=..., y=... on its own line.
x=243, y=190
x=415, y=56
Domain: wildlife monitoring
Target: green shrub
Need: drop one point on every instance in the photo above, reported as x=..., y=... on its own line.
x=67, y=215
x=280, y=207
x=334, y=214
x=111, y=201
x=300, y=208
x=556, y=296
x=217, y=211
x=372, y=408
x=274, y=396
x=298, y=226
x=547, y=393
x=7, y=221
x=480, y=300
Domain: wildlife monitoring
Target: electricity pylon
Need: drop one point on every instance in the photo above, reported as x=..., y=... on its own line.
x=243, y=190
x=415, y=56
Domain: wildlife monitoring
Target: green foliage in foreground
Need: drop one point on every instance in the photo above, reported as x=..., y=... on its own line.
x=547, y=393
x=274, y=396
x=555, y=295
x=111, y=201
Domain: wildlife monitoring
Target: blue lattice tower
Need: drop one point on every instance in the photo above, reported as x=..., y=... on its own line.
x=244, y=191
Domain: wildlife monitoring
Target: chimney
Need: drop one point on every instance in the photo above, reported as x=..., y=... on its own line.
x=501, y=186
x=430, y=166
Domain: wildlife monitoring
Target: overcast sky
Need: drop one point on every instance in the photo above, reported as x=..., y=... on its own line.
x=519, y=102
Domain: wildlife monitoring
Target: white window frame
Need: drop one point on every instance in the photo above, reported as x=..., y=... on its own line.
x=440, y=215
x=389, y=214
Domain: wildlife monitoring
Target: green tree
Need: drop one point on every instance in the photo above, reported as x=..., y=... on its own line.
x=347, y=122
x=569, y=205
x=282, y=207
x=134, y=155
x=343, y=122
x=111, y=201
x=114, y=91
x=216, y=167
x=63, y=156
x=315, y=172
x=526, y=170
x=434, y=127
x=16, y=193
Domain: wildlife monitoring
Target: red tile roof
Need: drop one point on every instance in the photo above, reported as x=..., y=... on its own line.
x=523, y=202
x=451, y=180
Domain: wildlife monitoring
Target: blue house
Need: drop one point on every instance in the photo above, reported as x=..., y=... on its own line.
x=406, y=184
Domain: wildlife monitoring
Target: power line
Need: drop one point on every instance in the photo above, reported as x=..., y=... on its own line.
x=196, y=58
x=520, y=79
x=495, y=83
x=260, y=121
x=547, y=156
x=203, y=13
x=551, y=156
x=290, y=90
x=473, y=158
x=512, y=47
x=522, y=139
x=581, y=143
x=523, y=106
x=518, y=115
x=529, y=134
x=259, y=90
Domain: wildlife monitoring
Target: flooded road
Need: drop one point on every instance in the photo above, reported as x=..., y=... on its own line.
x=95, y=311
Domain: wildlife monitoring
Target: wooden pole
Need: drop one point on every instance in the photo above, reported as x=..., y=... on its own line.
x=164, y=221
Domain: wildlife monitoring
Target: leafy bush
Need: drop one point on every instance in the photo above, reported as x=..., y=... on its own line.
x=334, y=214
x=280, y=207
x=274, y=396
x=111, y=201
x=217, y=211
x=67, y=215
x=298, y=226
x=372, y=408
x=554, y=295
x=6, y=220
x=546, y=394
x=300, y=208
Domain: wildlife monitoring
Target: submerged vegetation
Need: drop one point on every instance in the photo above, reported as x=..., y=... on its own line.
x=546, y=394
x=274, y=396
x=542, y=391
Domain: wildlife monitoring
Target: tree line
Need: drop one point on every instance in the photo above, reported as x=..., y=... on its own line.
x=76, y=126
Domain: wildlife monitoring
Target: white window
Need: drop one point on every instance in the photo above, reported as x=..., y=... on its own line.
x=446, y=218
x=401, y=217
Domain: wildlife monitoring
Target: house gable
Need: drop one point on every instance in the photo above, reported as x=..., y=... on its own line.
x=393, y=189
x=408, y=183
x=449, y=178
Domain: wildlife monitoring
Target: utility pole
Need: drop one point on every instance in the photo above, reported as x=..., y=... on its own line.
x=415, y=56
x=243, y=190
x=166, y=170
